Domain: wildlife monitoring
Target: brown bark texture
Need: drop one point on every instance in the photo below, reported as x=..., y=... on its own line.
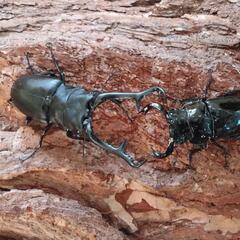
x=127, y=45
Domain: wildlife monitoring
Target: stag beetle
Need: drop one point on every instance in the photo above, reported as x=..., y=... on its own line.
x=46, y=98
x=200, y=120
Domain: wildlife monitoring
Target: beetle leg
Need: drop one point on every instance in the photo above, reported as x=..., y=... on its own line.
x=10, y=101
x=29, y=64
x=119, y=151
x=195, y=149
x=137, y=96
x=55, y=61
x=193, y=99
x=225, y=152
x=28, y=120
x=82, y=137
x=44, y=133
x=40, y=142
x=232, y=92
x=83, y=145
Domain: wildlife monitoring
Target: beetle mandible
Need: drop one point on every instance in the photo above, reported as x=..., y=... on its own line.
x=46, y=98
x=200, y=120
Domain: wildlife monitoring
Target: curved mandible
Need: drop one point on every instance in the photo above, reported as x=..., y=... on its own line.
x=119, y=151
x=115, y=96
x=170, y=146
x=137, y=96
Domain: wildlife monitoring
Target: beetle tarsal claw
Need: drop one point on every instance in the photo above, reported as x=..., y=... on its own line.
x=49, y=45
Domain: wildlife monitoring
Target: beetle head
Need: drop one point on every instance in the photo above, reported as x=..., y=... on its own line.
x=179, y=126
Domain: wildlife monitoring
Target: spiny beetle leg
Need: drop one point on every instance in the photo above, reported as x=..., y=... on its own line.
x=234, y=92
x=195, y=149
x=9, y=101
x=30, y=67
x=40, y=142
x=55, y=61
x=225, y=152
x=28, y=120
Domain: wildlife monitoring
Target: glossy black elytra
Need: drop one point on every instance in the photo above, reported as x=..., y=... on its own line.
x=200, y=120
x=46, y=98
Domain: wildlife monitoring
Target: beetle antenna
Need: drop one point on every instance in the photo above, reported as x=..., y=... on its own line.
x=83, y=146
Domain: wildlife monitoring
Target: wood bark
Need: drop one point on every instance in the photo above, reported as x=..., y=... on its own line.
x=126, y=45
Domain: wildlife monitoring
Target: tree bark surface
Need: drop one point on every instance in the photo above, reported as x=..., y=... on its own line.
x=127, y=45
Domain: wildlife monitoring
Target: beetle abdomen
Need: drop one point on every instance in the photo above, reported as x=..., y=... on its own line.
x=225, y=112
x=29, y=94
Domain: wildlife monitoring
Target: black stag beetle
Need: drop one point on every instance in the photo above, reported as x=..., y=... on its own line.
x=200, y=120
x=46, y=98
